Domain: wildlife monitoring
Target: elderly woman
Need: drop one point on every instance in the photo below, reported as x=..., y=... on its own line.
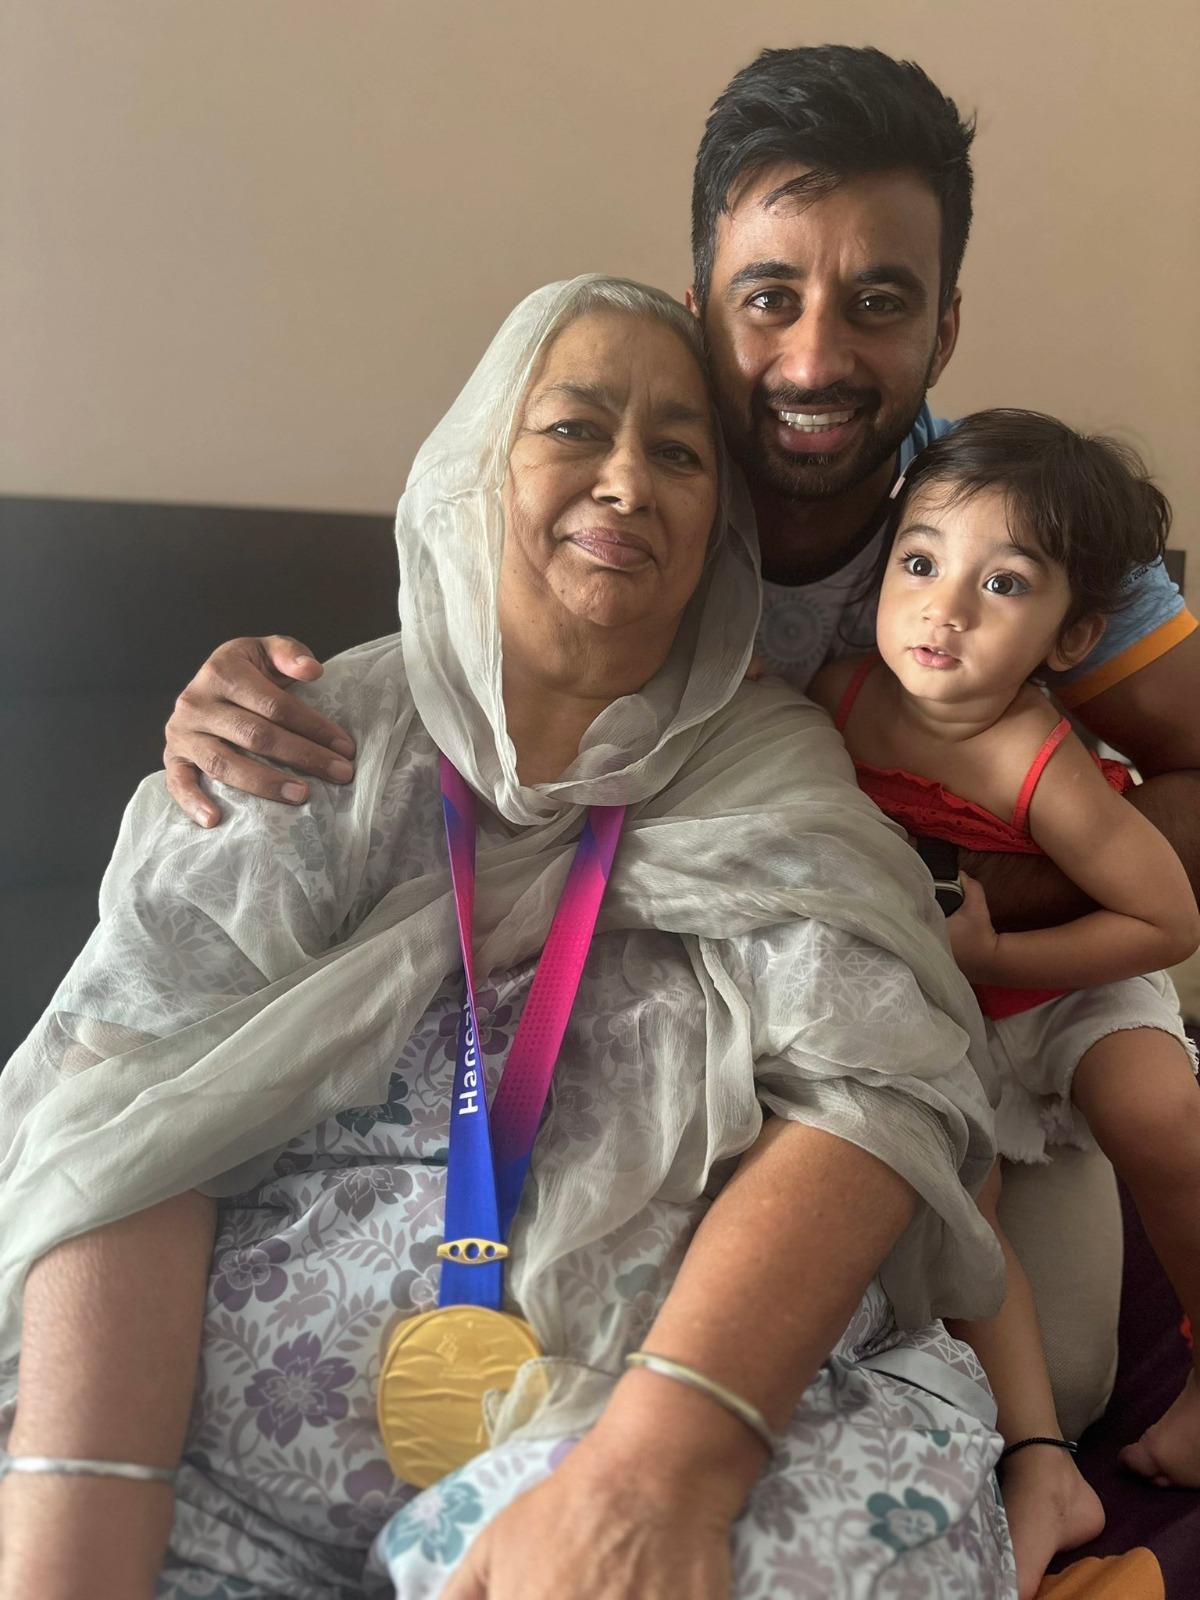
x=226, y=1143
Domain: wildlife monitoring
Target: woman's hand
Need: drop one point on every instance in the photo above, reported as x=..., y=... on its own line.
x=643, y=1507
x=603, y=1528
x=973, y=939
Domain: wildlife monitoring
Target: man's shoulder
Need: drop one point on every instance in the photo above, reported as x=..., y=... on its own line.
x=925, y=429
x=1153, y=619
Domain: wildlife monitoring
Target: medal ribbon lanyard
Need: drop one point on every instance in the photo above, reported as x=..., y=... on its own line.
x=489, y=1156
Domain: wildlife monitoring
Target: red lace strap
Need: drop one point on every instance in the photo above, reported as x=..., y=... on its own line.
x=1020, y=817
x=846, y=704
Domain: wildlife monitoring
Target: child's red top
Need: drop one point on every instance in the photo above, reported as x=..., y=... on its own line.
x=925, y=808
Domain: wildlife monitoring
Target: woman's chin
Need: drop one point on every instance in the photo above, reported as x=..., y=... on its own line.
x=612, y=600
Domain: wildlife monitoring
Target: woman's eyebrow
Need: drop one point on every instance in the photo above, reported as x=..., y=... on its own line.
x=589, y=394
x=681, y=411
x=596, y=394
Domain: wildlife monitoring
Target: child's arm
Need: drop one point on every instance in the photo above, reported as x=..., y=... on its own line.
x=831, y=683
x=1148, y=916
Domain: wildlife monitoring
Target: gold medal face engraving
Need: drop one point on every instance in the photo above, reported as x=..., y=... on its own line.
x=436, y=1370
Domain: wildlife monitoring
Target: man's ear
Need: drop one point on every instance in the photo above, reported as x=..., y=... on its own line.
x=1077, y=643
x=692, y=303
x=947, y=338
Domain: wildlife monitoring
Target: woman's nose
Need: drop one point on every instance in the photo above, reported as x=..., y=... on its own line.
x=625, y=480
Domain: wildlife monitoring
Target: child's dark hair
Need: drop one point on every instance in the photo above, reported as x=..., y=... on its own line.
x=1086, y=501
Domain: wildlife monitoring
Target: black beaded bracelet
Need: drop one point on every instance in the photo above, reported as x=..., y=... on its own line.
x=1023, y=1444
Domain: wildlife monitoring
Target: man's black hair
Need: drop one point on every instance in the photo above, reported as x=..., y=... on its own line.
x=840, y=111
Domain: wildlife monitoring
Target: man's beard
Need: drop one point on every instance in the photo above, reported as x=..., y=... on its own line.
x=813, y=476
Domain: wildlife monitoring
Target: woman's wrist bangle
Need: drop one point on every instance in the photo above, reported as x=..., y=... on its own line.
x=741, y=1409
x=79, y=1467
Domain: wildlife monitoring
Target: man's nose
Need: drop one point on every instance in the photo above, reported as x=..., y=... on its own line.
x=625, y=480
x=818, y=350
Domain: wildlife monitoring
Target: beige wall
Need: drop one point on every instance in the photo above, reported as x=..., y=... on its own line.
x=253, y=246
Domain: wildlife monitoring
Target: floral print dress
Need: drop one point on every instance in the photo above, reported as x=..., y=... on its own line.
x=884, y=1488
x=886, y=1484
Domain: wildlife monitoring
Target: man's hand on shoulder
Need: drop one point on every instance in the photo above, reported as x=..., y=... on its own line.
x=237, y=703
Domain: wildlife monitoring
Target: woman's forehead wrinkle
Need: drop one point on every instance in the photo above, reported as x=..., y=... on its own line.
x=606, y=397
x=591, y=394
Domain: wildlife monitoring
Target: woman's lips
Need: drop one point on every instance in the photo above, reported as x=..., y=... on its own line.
x=610, y=548
x=927, y=655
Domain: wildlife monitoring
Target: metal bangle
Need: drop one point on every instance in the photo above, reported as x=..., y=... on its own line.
x=741, y=1409
x=71, y=1467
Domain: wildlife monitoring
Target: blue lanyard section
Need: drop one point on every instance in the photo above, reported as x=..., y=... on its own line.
x=471, y=1209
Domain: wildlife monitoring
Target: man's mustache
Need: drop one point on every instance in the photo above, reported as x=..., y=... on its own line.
x=838, y=397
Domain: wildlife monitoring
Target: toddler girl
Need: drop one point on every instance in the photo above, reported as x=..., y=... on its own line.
x=1012, y=540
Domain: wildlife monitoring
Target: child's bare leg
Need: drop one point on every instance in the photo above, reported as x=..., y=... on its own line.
x=1050, y=1506
x=1139, y=1095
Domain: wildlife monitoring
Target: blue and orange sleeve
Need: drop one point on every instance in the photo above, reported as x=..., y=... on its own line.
x=1155, y=621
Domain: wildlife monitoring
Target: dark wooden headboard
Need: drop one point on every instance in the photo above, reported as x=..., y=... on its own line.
x=106, y=611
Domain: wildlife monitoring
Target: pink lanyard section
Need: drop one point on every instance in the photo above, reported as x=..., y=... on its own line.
x=525, y=1083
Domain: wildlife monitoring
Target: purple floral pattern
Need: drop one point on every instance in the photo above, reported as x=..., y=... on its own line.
x=252, y=1269
x=299, y=1388
x=371, y=1493
x=361, y=1189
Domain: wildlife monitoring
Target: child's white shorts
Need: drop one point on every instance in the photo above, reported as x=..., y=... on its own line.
x=1036, y=1053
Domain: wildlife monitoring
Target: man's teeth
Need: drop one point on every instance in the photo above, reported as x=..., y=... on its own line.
x=815, y=421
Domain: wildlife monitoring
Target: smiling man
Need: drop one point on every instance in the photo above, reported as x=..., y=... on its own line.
x=831, y=207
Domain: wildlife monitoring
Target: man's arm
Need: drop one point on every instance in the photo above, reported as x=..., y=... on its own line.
x=236, y=704
x=1153, y=718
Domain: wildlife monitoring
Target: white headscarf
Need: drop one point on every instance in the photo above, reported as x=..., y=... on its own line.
x=450, y=530
x=744, y=820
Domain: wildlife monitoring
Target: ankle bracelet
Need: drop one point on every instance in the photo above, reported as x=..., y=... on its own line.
x=1023, y=1444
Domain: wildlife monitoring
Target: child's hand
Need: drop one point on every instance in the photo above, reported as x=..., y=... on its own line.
x=974, y=941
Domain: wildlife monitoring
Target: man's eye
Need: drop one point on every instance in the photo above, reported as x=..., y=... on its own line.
x=770, y=300
x=1006, y=583
x=880, y=306
x=919, y=566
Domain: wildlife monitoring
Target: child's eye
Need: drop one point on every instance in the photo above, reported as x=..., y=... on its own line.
x=919, y=566
x=1006, y=583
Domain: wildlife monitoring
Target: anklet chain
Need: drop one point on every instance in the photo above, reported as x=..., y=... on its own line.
x=1022, y=1444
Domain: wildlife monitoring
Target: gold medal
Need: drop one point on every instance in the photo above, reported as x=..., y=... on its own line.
x=436, y=1370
